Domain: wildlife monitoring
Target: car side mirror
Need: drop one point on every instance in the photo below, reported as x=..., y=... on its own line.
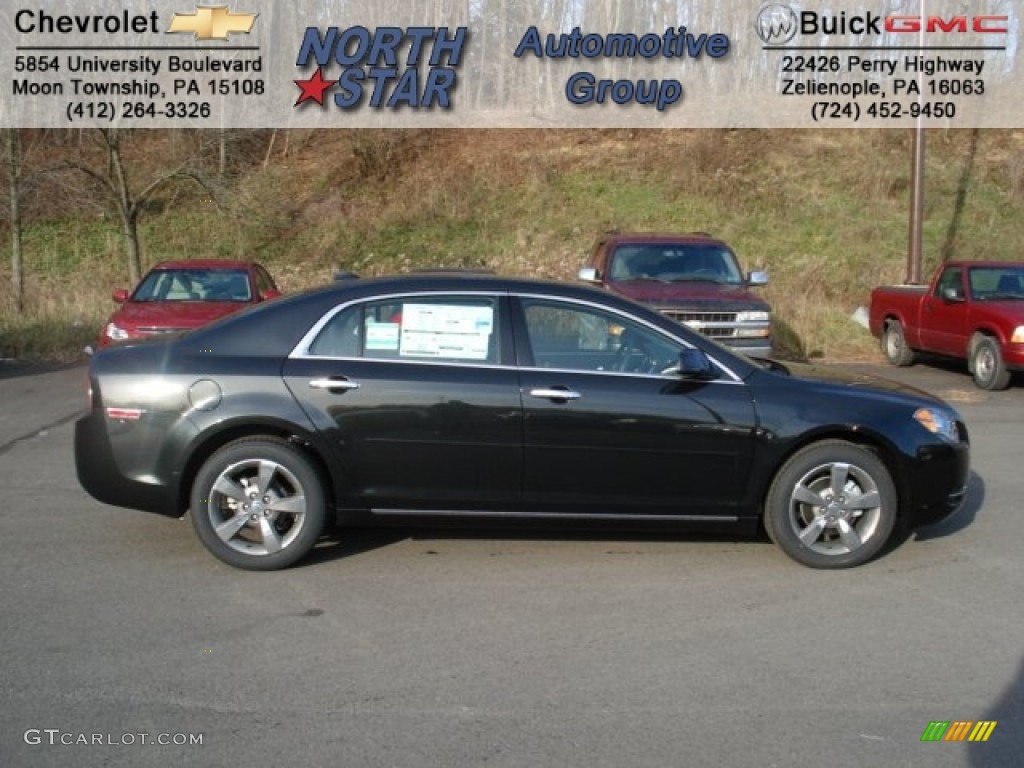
x=952, y=294
x=120, y=295
x=267, y=295
x=589, y=275
x=757, y=277
x=695, y=364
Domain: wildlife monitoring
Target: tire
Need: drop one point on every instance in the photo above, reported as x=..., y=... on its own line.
x=821, y=526
x=258, y=504
x=987, y=364
x=894, y=345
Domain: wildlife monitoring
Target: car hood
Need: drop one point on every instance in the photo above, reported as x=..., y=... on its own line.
x=173, y=314
x=690, y=293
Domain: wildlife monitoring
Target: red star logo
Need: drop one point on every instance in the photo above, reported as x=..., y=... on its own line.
x=313, y=88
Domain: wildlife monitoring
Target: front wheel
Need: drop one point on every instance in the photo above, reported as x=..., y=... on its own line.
x=987, y=364
x=832, y=505
x=258, y=504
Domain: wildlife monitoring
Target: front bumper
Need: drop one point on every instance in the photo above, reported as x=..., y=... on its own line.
x=751, y=347
x=937, y=482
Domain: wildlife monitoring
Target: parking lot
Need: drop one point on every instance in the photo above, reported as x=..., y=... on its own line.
x=124, y=643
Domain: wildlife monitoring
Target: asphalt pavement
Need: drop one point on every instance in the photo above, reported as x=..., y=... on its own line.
x=123, y=643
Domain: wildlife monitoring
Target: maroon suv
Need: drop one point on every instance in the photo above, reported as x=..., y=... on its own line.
x=692, y=278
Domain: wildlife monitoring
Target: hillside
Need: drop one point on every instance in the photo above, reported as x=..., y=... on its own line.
x=824, y=212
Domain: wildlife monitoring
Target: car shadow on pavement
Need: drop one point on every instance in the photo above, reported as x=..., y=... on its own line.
x=342, y=543
x=962, y=518
x=1005, y=745
x=953, y=524
x=957, y=367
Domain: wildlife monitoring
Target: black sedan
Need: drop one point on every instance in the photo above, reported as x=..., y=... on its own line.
x=442, y=398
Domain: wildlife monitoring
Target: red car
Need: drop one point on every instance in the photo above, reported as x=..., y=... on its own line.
x=182, y=295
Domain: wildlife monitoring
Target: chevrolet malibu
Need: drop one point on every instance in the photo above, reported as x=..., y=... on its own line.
x=181, y=295
x=472, y=399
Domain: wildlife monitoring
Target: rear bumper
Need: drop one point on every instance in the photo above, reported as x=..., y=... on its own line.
x=99, y=476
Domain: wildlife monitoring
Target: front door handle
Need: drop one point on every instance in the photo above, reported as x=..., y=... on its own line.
x=334, y=383
x=555, y=393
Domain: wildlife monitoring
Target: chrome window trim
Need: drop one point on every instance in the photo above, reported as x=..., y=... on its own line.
x=301, y=350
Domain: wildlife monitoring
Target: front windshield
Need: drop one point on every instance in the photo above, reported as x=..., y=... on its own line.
x=997, y=283
x=194, y=285
x=672, y=263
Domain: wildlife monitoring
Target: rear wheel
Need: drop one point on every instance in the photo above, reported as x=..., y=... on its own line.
x=894, y=345
x=832, y=505
x=987, y=364
x=258, y=504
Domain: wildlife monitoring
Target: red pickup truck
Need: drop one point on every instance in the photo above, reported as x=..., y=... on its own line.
x=972, y=310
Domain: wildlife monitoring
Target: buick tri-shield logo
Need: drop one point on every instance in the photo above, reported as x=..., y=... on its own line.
x=776, y=24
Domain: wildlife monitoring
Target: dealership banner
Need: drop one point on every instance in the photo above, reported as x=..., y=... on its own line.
x=510, y=63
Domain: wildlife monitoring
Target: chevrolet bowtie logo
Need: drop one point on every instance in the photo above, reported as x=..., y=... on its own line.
x=213, y=22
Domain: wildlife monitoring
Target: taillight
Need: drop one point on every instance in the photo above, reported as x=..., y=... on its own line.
x=125, y=414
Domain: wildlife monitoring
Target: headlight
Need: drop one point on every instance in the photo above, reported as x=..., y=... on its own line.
x=759, y=320
x=753, y=317
x=938, y=422
x=1018, y=335
x=115, y=333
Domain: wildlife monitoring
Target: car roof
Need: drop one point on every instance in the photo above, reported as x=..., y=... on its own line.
x=204, y=264
x=659, y=237
x=985, y=263
x=459, y=281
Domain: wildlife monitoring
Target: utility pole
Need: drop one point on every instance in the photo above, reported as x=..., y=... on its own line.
x=917, y=179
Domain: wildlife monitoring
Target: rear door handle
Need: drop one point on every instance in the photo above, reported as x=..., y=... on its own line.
x=555, y=393
x=333, y=383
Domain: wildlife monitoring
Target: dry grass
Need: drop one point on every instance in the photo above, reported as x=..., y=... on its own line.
x=824, y=212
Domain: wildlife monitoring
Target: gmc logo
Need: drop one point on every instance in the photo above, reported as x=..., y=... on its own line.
x=984, y=24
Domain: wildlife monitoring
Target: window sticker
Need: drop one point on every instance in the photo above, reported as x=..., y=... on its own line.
x=445, y=330
x=382, y=337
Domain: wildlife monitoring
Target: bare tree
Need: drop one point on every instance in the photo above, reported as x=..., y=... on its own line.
x=128, y=201
x=12, y=159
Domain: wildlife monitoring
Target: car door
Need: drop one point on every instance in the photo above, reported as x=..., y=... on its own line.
x=943, y=319
x=419, y=399
x=611, y=429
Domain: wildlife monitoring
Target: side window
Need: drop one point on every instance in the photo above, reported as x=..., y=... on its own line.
x=951, y=280
x=578, y=338
x=341, y=337
x=450, y=329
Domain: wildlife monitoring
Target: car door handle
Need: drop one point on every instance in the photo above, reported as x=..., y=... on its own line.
x=555, y=393
x=333, y=383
